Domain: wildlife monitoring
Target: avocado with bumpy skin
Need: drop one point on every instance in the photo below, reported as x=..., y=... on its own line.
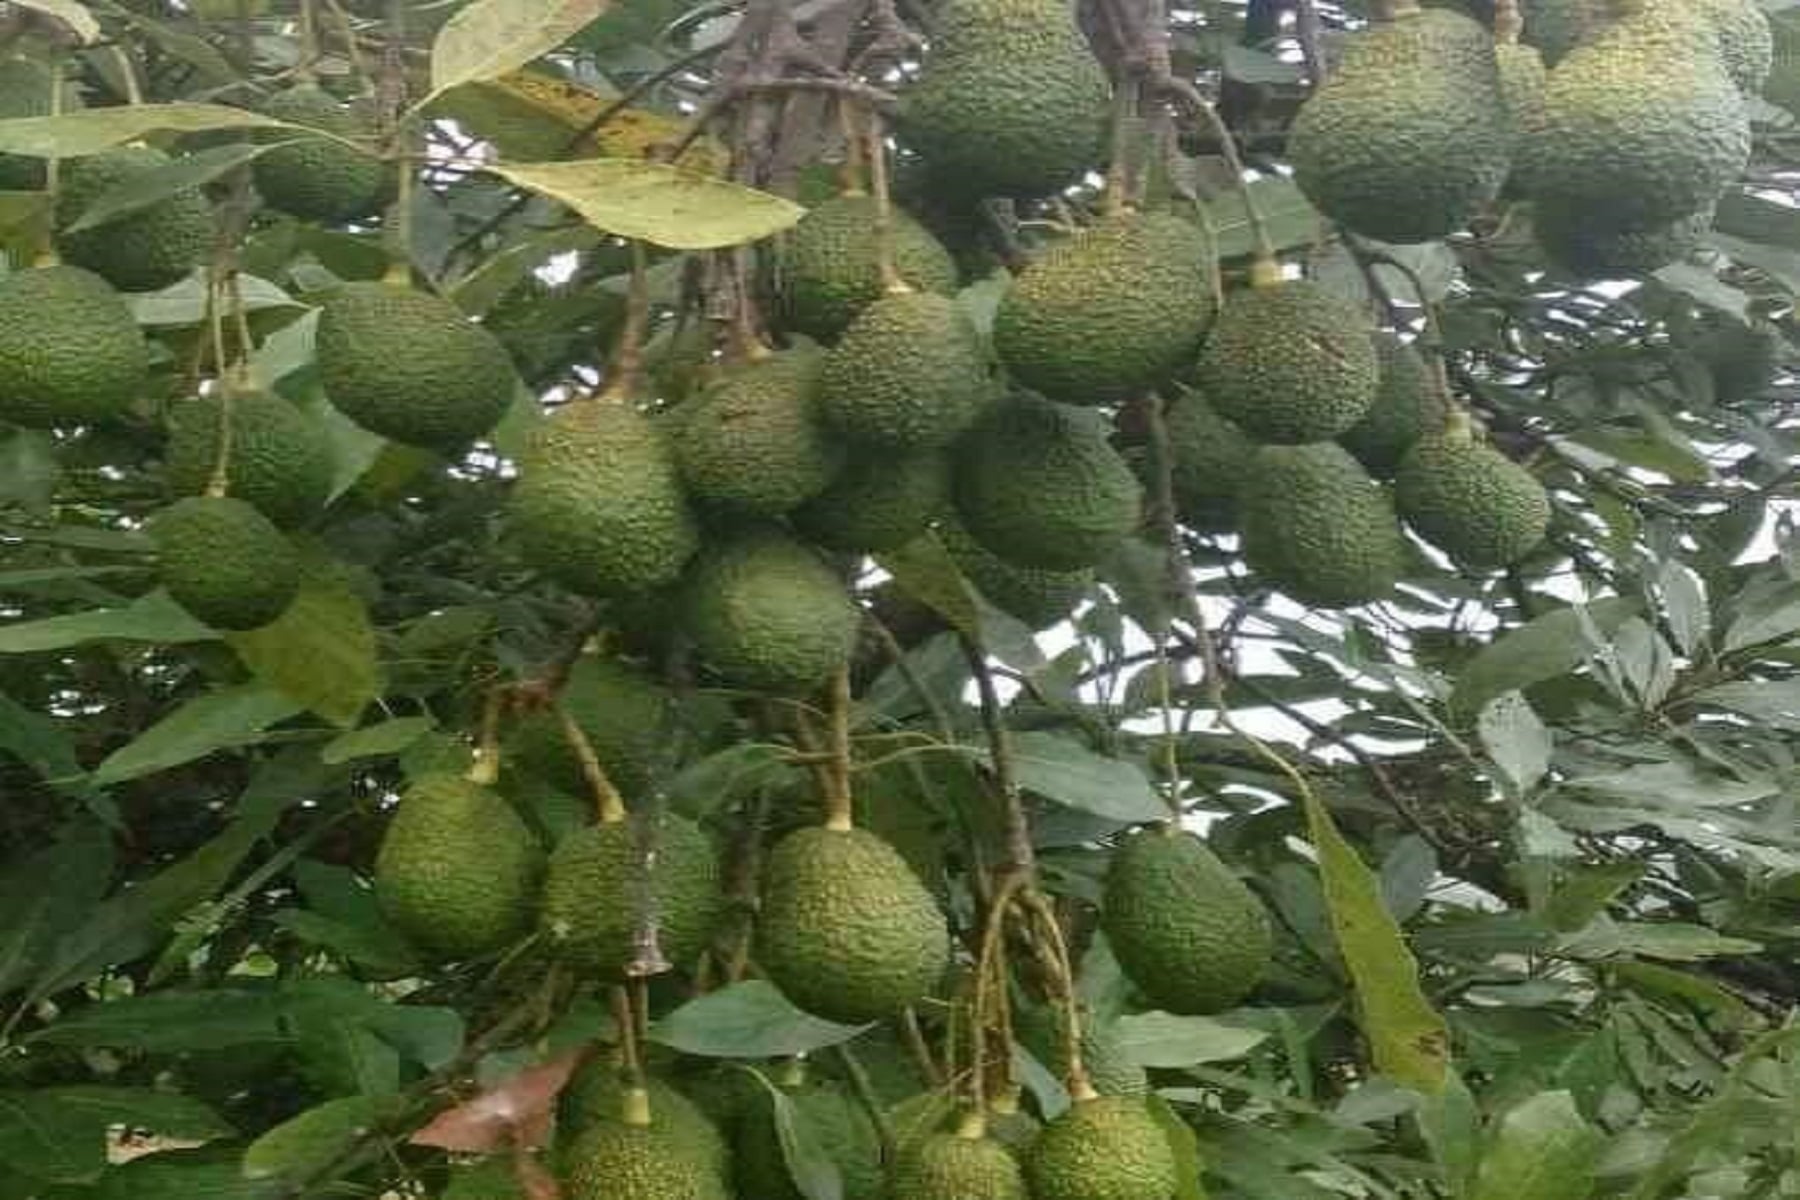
x=224, y=562
x=598, y=504
x=1038, y=597
x=146, y=249
x=766, y=613
x=70, y=351
x=1318, y=527
x=589, y=910
x=280, y=459
x=1289, y=362
x=596, y=1093
x=321, y=178
x=751, y=443
x=613, y=1160
x=1010, y=102
x=1105, y=1148
x=1407, y=406
x=1408, y=138
x=458, y=869
x=1039, y=484
x=846, y=930
x=955, y=1166
x=1744, y=37
x=877, y=502
x=1209, y=455
x=1469, y=500
x=1110, y=312
x=1186, y=931
x=411, y=366
x=907, y=374
x=829, y=272
x=1593, y=245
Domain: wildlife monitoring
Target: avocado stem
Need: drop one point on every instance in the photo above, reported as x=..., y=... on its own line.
x=840, y=810
x=607, y=801
x=891, y=281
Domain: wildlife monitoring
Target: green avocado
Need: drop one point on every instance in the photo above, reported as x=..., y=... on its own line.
x=1038, y=597
x=322, y=178
x=1592, y=245
x=766, y=613
x=1108, y=1148
x=70, y=350
x=1407, y=406
x=829, y=271
x=1470, y=501
x=751, y=443
x=1209, y=457
x=908, y=374
x=146, y=249
x=1318, y=527
x=596, y=1093
x=224, y=562
x=951, y=1166
x=877, y=502
x=611, y=1160
x=280, y=459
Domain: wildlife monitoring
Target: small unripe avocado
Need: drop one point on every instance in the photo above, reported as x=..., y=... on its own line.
x=224, y=562
x=1110, y=312
x=1039, y=484
x=829, y=272
x=1407, y=406
x=840, y=1126
x=1185, y=930
x=1318, y=527
x=280, y=459
x=1210, y=457
x=847, y=931
x=1038, y=597
x=1108, y=1148
x=410, y=366
x=950, y=1166
x=458, y=869
x=1290, y=362
x=597, y=1093
x=877, y=502
x=1470, y=501
x=70, y=351
x=751, y=443
x=598, y=504
x=616, y=1161
x=589, y=913
x=320, y=178
x=143, y=250
x=907, y=374
x=766, y=613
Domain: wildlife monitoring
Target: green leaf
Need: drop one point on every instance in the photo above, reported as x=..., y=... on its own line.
x=50, y=1142
x=320, y=653
x=1450, y=1124
x=491, y=38
x=309, y=1143
x=1544, y=648
x=1763, y=615
x=89, y=131
x=1287, y=215
x=804, y=1149
x=656, y=203
x=45, y=896
x=151, y=618
x=1542, y=1149
x=1410, y=1042
x=1684, y=600
x=159, y=183
x=218, y=720
x=170, y=1022
x=1516, y=740
x=924, y=570
x=181, y=1175
x=751, y=1019
x=1160, y=1039
x=169, y=1114
x=1063, y=770
x=1184, y=1145
x=79, y=20
x=184, y=302
x=39, y=742
x=1773, y=701
x=376, y=741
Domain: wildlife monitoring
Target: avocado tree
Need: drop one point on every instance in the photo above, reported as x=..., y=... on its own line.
x=959, y=600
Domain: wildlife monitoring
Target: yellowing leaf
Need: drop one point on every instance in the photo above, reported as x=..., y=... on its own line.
x=492, y=37
x=656, y=203
x=320, y=652
x=1406, y=1035
x=71, y=135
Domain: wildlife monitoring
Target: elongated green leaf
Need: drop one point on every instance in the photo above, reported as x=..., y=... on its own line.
x=490, y=38
x=376, y=741
x=1543, y=1149
x=804, y=1149
x=751, y=1019
x=48, y=1141
x=320, y=653
x=170, y=1022
x=1515, y=739
x=1060, y=768
x=1551, y=645
x=312, y=1141
x=229, y=717
x=656, y=203
x=1409, y=1040
x=1160, y=1039
x=170, y=1114
x=151, y=618
x=39, y=743
x=89, y=131
x=44, y=897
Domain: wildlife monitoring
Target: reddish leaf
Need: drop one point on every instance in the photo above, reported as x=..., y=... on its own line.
x=517, y=1112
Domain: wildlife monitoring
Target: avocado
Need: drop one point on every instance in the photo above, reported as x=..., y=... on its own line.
x=751, y=444
x=907, y=374
x=70, y=350
x=846, y=930
x=1744, y=37
x=598, y=504
x=1106, y=1148
x=1318, y=527
x=457, y=871
x=1290, y=362
x=146, y=249
x=1209, y=458
x=1470, y=501
x=1594, y=245
x=224, y=562
x=612, y=1160
x=321, y=178
x=1407, y=406
x=589, y=913
x=595, y=1093
x=1038, y=597
x=1039, y=485
x=877, y=502
x=766, y=613
x=1110, y=312
x=1409, y=137
x=1186, y=931
x=829, y=272
x=411, y=367
x=280, y=460
x=1010, y=101
x=951, y=1166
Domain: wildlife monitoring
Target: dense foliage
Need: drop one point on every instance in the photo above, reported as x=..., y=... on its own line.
x=699, y=728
